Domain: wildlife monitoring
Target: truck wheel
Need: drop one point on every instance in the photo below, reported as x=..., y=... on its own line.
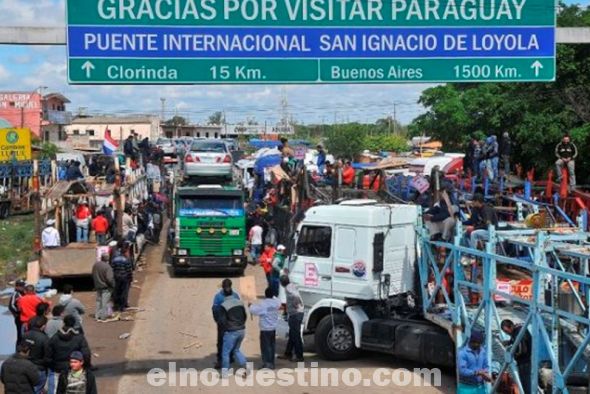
x=334, y=338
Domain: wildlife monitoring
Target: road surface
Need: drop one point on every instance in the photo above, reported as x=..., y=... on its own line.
x=178, y=328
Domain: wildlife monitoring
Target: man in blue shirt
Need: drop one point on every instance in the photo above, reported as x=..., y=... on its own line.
x=226, y=288
x=473, y=366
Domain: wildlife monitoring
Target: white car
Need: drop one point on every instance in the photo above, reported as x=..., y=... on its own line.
x=167, y=146
x=209, y=158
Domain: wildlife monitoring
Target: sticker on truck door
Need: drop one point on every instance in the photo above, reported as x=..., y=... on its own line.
x=311, y=277
x=359, y=269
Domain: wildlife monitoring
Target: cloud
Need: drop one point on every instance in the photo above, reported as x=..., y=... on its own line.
x=22, y=59
x=32, y=12
x=4, y=73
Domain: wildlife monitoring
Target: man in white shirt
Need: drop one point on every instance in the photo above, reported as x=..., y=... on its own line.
x=255, y=242
x=50, y=236
x=268, y=310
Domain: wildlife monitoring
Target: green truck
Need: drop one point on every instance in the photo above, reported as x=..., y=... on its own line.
x=209, y=232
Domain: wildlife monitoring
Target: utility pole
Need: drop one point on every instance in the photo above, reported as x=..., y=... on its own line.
x=163, y=100
x=394, y=117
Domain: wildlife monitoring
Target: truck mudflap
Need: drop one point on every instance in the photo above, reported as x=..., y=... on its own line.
x=75, y=259
x=208, y=264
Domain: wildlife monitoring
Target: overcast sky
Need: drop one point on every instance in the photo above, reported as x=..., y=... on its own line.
x=24, y=68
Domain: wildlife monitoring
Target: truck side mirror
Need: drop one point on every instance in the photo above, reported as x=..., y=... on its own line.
x=378, y=251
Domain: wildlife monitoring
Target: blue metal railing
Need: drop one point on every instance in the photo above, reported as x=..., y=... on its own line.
x=542, y=315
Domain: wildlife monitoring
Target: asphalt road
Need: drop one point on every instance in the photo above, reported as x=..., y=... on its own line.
x=177, y=327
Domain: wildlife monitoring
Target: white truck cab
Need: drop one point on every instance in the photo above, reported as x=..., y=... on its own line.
x=346, y=250
x=353, y=264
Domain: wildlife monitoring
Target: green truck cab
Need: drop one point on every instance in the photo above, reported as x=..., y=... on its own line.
x=209, y=232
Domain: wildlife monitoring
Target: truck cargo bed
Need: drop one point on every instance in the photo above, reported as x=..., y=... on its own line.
x=75, y=259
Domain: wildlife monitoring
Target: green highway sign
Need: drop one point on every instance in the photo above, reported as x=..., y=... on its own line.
x=309, y=41
x=235, y=71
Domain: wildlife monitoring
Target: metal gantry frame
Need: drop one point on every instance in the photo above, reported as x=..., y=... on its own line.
x=538, y=253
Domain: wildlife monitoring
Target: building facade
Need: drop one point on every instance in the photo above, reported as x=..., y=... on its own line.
x=92, y=129
x=225, y=131
x=45, y=116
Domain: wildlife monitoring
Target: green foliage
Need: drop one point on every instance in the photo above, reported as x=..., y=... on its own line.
x=389, y=143
x=535, y=114
x=216, y=118
x=176, y=121
x=48, y=151
x=345, y=141
x=16, y=240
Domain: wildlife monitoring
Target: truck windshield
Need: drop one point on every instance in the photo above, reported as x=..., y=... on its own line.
x=210, y=206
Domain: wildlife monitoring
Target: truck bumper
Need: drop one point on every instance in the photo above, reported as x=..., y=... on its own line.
x=188, y=264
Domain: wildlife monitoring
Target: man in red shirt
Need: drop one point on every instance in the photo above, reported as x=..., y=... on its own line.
x=100, y=225
x=266, y=259
x=27, y=305
x=83, y=217
x=348, y=174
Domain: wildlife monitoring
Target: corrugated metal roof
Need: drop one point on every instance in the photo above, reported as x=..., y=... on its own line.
x=66, y=187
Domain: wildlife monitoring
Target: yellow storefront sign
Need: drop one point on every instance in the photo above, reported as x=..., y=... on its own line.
x=15, y=144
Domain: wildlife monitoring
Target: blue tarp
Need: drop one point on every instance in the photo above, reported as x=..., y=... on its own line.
x=266, y=162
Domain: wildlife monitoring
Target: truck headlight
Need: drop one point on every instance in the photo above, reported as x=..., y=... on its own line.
x=182, y=252
x=238, y=252
x=234, y=232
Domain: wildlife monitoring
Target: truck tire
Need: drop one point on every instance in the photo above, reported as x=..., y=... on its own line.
x=334, y=338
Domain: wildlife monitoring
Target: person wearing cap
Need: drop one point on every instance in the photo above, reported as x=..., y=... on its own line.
x=226, y=288
x=78, y=379
x=50, y=237
x=278, y=265
x=19, y=290
x=60, y=348
x=474, y=370
x=18, y=374
x=83, y=217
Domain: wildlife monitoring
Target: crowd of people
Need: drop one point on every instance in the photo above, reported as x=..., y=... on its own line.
x=52, y=353
x=491, y=159
x=230, y=315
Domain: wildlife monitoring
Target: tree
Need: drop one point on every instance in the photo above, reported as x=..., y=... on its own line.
x=216, y=118
x=535, y=114
x=48, y=151
x=176, y=121
x=345, y=141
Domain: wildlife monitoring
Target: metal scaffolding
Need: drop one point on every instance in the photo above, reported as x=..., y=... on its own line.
x=460, y=291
